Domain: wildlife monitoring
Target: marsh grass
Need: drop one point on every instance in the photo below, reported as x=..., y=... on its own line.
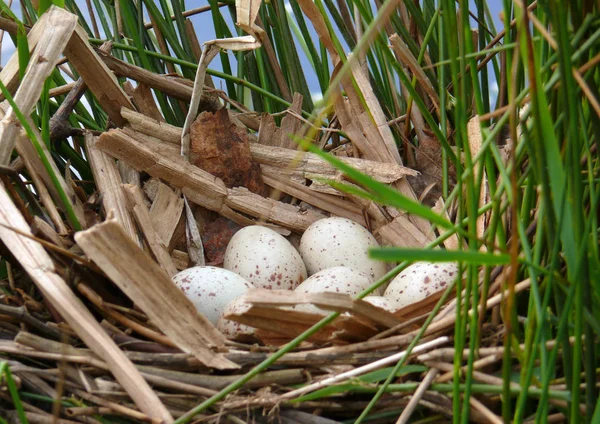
x=542, y=203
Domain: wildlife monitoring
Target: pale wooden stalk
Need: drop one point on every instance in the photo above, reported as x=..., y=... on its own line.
x=361, y=76
x=180, y=259
x=447, y=354
x=475, y=139
x=402, y=232
x=115, y=407
x=57, y=29
x=96, y=75
x=109, y=183
x=171, y=87
x=485, y=412
x=270, y=135
x=38, y=264
x=62, y=90
x=365, y=369
x=416, y=397
x=165, y=212
x=327, y=202
x=451, y=243
x=217, y=382
x=10, y=72
x=309, y=164
x=284, y=214
x=434, y=328
x=144, y=100
x=152, y=290
x=146, y=125
x=340, y=302
x=39, y=227
x=142, y=216
x=478, y=364
x=195, y=248
x=407, y=59
x=45, y=198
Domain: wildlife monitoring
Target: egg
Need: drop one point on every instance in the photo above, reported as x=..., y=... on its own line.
x=210, y=289
x=332, y=242
x=419, y=281
x=231, y=329
x=339, y=279
x=380, y=302
x=264, y=258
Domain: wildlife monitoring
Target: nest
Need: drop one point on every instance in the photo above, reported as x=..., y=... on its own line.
x=92, y=316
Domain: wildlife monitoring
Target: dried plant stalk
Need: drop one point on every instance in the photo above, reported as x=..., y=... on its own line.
x=331, y=301
x=308, y=164
x=10, y=72
x=109, y=183
x=153, y=291
x=334, y=204
x=96, y=75
x=402, y=232
x=142, y=216
x=165, y=212
x=409, y=60
x=38, y=264
x=57, y=26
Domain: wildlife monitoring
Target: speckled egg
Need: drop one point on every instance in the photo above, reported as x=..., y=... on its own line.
x=336, y=241
x=380, y=302
x=419, y=281
x=231, y=329
x=210, y=289
x=264, y=258
x=339, y=279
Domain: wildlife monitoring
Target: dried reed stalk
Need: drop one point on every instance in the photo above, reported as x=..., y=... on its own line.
x=36, y=262
x=96, y=75
x=109, y=183
x=152, y=290
x=142, y=217
x=308, y=164
x=56, y=27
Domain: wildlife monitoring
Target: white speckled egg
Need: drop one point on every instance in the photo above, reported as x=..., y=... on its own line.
x=264, y=258
x=336, y=241
x=339, y=279
x=231, y=329
x=210, y=288
x=419, y=281
x=380, y=302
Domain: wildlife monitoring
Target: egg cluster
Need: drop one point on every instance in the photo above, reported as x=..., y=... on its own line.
x=333, y=254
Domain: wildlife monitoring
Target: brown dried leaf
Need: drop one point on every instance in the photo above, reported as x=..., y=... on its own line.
x=222, y=149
